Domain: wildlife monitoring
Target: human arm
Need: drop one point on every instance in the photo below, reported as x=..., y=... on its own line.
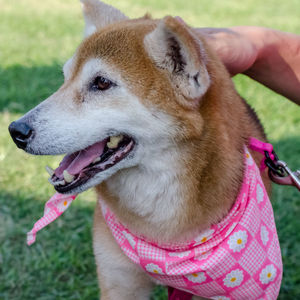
x=268, y=56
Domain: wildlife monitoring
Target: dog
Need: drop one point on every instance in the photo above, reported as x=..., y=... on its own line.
x=148, y=116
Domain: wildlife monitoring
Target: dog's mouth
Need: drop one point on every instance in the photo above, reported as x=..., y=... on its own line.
x=77, y=168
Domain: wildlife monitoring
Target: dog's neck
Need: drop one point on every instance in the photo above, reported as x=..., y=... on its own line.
x=169, y=198
x=187, y=188
x=151, y=191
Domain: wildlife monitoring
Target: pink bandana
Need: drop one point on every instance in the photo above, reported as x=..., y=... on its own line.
x=238, y=258
x=53, y=209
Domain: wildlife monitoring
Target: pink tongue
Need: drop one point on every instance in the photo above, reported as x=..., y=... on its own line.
x=75, y=162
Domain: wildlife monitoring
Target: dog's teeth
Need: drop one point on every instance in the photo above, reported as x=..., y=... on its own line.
x=49, y=170
x=114, y=141
x=96, y=160
x=68, y=177
x=55, y=183
x=51, y=181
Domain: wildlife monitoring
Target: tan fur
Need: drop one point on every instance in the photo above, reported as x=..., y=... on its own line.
x=210, y=139
x=211, y=142
x=98, y=14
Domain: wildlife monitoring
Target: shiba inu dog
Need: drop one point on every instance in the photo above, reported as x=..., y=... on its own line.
x=149, y=116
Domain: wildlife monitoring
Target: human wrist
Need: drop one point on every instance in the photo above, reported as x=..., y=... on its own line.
x=278, y=53
x=266, y=43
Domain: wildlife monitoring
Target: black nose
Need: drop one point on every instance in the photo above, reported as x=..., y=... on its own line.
x=20, y=133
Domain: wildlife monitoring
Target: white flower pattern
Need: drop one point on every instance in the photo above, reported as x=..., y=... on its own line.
x=196, y=277
x=238, y=241
x=63, y=205
x=204, y=236
x=249, y=159
x=259, y=193
x=220, y=298
x=234, y=278
x=203, y=255
x=264, y=235
x=179, y=254
x=268, y=274
x=153, y=268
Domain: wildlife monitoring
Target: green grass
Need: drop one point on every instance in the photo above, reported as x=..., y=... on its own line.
x=36, y=37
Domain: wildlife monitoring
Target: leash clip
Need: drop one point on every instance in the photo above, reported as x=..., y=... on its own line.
x=280, y=173
x=272, y=163
x=295, y=176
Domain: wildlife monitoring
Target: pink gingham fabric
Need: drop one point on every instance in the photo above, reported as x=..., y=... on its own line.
x=54, y=207
x=238, y=258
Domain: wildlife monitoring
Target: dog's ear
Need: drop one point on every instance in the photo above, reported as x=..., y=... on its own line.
x=174, y=47
x=98, y=14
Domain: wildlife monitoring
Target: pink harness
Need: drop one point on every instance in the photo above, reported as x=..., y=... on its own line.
x=238, y=258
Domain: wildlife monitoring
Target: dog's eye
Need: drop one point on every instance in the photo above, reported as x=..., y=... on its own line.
x=100, y=83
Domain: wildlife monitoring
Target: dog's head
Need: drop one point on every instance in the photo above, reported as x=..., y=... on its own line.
x=132, y=88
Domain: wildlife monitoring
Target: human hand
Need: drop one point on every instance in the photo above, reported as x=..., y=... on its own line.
x=235, y=46
x=260, y=53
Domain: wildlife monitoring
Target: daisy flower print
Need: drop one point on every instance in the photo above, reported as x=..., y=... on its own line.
x=196, y=277
x=238, y=241
x=268, y=274
x=234, y=278
x=153, y=268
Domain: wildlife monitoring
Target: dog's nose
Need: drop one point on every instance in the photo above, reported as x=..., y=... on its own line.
x=20, y=133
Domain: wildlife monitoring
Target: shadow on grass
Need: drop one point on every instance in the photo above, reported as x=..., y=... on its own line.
x=60, y=265
x=22, y=88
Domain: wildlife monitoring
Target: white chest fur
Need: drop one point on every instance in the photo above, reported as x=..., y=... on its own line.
x=152, y=190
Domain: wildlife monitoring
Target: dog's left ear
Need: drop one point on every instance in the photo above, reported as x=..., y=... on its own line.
x=98, y=15
x=174, y=47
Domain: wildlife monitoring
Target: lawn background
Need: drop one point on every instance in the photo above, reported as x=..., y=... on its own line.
x=36, y=38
